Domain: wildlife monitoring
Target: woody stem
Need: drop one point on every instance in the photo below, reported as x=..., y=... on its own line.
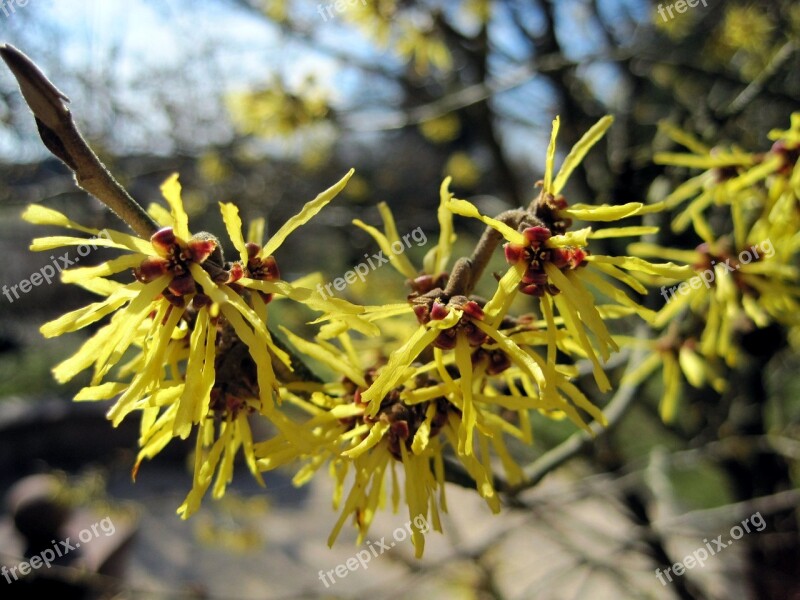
x=467, y=271
x=61, y=136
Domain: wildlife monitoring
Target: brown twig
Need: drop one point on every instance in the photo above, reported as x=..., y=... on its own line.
x=62, y=137
x=467, y=271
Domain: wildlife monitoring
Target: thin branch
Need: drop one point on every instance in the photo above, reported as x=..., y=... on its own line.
x=467, y=271
x=754, y=88
x=62, y=137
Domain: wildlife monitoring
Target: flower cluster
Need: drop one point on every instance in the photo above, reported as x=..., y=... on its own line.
x=386, y=397
x=744, y=274
x=188, y=336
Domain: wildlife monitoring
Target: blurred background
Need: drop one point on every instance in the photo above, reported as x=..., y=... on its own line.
x=266, y=103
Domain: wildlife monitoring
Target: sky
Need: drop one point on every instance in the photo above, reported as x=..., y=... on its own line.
x=117, y=43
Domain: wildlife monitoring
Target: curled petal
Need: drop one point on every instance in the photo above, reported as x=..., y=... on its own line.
x=270, y=266
x=423, y=313
x=438, y=311
x=151, y=268
x=202, y=248
x=473, y=309
x=514, y=253
x=235, y=273
x=164, y=241
x=537, y=235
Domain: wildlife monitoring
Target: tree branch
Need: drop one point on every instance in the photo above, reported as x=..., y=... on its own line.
x=62, y=137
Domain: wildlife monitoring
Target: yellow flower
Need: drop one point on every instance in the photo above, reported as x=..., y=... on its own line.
x=555, y=265
x=753, y=282
x=197, y=326
x=733, y=178
x=420, y=415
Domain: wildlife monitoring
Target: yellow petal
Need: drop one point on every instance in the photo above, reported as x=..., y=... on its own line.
x=375, y=435
x=233, y=223
x=468, y=416
x=617, y=274
x=79, y=318
x=572, y=288
x=579, y=150
x=171, y=190
x=550, y=158
x=646, y=249
x=683, y=138
x=693, y=367
x=632, y=263
x=668, y=407
x=105, y=391
x=41, y=215
x=398, y=261
x=603, y=212
x=579, y=237
x=86, y=355
x=575, y=327
x=153, y=363
x=336, y=363
x=310, y=209
x=399, y=361
x=688, y=189
x=255, y=232
x=496, y=309
x=522, y=359
x=422, y=437
x=160, y=214
x=110, y=267
x=467, y=209
x=617, y=294
x=202, y=478
x=613, y=232
x=115, y=239
x=194, y=392
x=439, y=257
x=722, y=159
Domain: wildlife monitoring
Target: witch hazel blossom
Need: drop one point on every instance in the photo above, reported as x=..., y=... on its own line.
x=555, y=265
x=184, y=338
x=182, y=315
x=536, y=255
x=205, y=362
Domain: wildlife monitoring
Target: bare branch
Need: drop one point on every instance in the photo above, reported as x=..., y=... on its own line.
x=62, y=137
